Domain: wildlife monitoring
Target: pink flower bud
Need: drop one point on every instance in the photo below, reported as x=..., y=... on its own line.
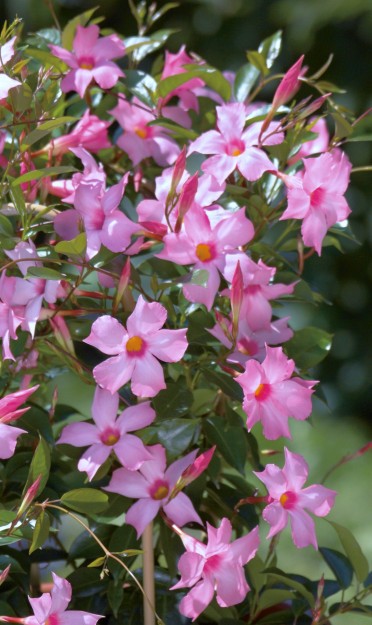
x=4, y=574
x=178, y=169
x=289, y=84
x=193, y=471
x=237, y=291
x=186, y=199
x=123, y=283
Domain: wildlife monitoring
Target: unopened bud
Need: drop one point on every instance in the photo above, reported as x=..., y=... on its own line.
x=186, y=199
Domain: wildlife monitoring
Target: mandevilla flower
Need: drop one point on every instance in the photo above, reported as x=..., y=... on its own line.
x=50, y=608
x=136, y=349
x=10, y=411
x=215, y=567
x=205, y=247
x=288, y=500
x=152, y=484
x=272, y=396
x=320, y=201
x=91, y=59
x=233, y=147
x=110, y=433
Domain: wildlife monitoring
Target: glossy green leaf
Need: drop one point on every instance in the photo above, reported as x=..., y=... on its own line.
x=86, y=500
x=43, y=130
x=97, y=562
x=270, y=48
x=224, y=383
x=353, y=551
x=5, y=226
x=46, y=58
x=69, y=30
x=258, y=61
x=309, y=346
x=176, y=130
x=211, y=76
x=174, y=401
x=41, y=531
x=245, y=78
x=44, y=272
x=74, y=247
x=230, y=441
x=177, y=434
x=40, y=465
x=339, y=565
x=141, y=85
x=279, y=576
x=36, y=174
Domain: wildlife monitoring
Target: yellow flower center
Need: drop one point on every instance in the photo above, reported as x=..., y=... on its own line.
x=259, y=390
x=236, y=152
x=134, y=344
x=141, y=132
x=86, y=65
x=283, y=499
x=111, y=439
x=204, y=252
x=160, y=493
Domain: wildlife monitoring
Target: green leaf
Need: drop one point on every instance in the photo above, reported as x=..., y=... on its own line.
x=69, y=30
x=141, y=85
x=339, y=565
x=224, y=383
x=36, y=174
x=177, y=434
x=273, y=596
x=174, y=401
x=141, y=47
x=5, y=226
x=74, y=247
x=46, y=58
x=41, y=531
x=279, y=576
x=177, y=130
x=270, y=48
x=245, y=78
x=230, y=441
x=86, y=500
x=40, y=465
x=44, y=129
x=21, y=97
x=44, y=272
x=309, y=346
x=211, y=76
x=258, y=61
x=353, y=551
x=342, y=127
x=97, y=562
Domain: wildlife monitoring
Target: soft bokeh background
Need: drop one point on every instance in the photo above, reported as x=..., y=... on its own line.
x=221, y=31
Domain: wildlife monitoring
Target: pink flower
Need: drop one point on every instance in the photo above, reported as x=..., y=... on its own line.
x=152, y=484
x=10, y=411
x=287, y=498
x=320, y=201
x=251, y=343
x=6, y=54
x=136, y=349
x=50, y=608
x=110, y=433
x=215, y=567
x=98, y=208
x=89, y=133
x=317, y=145
x=272, y=396
x=174, y=64
x=233, y=147
x=258, y=289
x=205, y=248
x=66, y=188
x=90, y=60
x=140, y=140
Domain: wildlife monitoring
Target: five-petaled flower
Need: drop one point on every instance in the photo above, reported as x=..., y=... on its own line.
x=288, y=500
x=10, y=411
x=152, y=484
x=91, y=59
x=215, y=567
x=271, y=395
x=136, y=350
x=50, y=608
x=110, y=433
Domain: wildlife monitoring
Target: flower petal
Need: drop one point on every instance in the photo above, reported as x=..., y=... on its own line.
x=142, y=513
x=107, y=335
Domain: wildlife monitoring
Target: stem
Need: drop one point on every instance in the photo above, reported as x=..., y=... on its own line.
x=106, y=551
x=148, y=576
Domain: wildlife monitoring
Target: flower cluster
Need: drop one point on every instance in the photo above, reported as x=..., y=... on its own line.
x=158, y=278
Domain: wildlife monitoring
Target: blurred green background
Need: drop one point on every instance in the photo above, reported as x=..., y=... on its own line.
x=221, y=31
